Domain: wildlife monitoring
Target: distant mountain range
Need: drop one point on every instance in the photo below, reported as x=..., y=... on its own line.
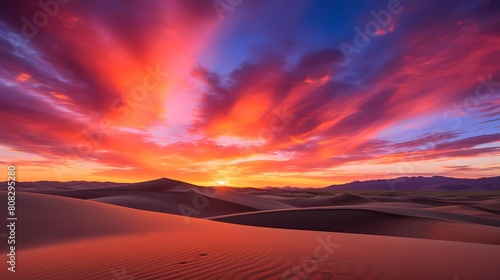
x=435, y=183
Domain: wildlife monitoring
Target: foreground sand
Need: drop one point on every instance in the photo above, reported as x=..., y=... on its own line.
x=66, y=238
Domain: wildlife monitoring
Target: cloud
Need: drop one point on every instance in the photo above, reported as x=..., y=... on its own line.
x=274, y=97
x=470, y=168
x=469, y=142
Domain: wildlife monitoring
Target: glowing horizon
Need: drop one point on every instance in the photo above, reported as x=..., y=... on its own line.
x=249, y=95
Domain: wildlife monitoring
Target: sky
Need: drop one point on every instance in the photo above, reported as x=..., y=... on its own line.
x=249, y=93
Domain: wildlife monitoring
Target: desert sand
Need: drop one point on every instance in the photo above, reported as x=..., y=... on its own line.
x=134, y=231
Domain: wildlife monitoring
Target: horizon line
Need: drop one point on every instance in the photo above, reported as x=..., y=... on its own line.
x=287, y=186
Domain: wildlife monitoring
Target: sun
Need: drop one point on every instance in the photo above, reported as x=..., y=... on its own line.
x=221, y=182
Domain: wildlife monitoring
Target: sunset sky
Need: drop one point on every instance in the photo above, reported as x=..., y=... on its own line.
x=249, y=93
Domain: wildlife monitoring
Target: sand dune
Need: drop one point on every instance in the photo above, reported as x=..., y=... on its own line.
x=48, y=186
x=174, y=197
x=46, y=219
x=102, y=232
x=336, y=199
x=491, y=204
x=402, y=222
x=470, y=218
x=78, y=239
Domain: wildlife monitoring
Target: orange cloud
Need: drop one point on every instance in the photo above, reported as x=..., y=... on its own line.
x=23, y=77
